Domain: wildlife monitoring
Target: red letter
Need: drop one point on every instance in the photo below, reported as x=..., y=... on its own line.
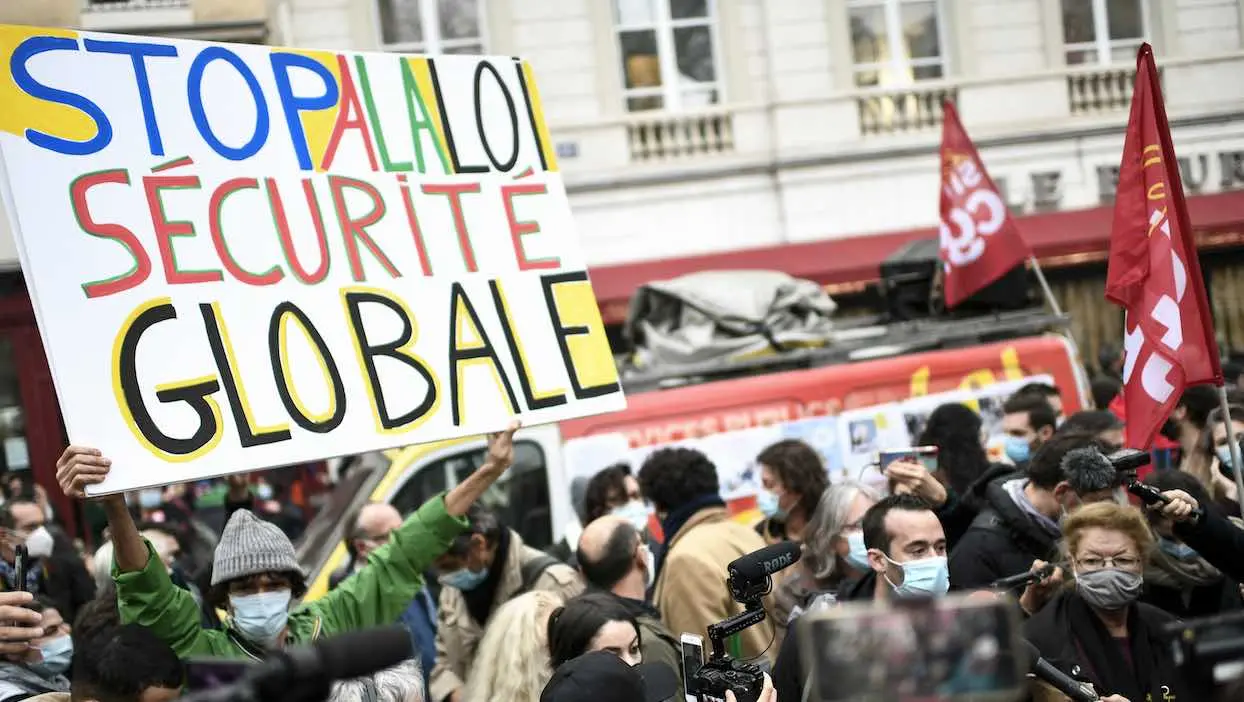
x=287, y=241
x=455, y=203
x=165, y=229
x=349, y=103
x=413, y=221
x=81, y=209
x=519, y=229
x=223, y=191
x=352, y=229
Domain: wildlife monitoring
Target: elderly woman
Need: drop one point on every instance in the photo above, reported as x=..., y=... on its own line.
x=1097, y=631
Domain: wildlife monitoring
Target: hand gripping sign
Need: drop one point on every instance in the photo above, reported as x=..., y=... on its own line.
x=978, y=241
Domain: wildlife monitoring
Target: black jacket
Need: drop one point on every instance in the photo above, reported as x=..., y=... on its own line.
x=1003, y=539
x=1207, y=600
x=1217, y=540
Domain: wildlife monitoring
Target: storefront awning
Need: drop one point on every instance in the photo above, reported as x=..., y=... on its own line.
x=849, y=264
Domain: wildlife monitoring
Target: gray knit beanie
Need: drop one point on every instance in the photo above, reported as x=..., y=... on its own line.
x=250, y=546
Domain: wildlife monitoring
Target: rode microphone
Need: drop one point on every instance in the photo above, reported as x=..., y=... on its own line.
x=751, y=572
x=1044, y=671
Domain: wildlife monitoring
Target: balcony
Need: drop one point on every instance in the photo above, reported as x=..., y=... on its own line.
x=763, y=136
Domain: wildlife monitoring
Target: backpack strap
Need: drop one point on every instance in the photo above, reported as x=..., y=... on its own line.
x=534, y=568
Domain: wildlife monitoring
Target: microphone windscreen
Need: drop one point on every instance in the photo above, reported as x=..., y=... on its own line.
x=1088, y=470
x=358, y=653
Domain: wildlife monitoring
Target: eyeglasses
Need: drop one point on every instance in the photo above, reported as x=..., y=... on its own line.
x=1120, y=562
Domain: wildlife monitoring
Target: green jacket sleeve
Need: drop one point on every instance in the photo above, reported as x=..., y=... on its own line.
x=379, y=593
x=148, y=597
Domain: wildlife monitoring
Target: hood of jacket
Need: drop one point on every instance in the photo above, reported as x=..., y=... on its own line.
x=995, y=499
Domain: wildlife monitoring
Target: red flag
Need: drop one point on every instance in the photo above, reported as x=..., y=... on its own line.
x=1153, y=272
x=979, y=240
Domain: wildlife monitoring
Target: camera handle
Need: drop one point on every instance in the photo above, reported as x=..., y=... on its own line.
x=724, y=629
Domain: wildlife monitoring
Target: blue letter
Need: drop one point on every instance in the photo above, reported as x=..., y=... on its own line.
x=138, y=53
x=194, y=93
x=17, y=65
x=281, y=63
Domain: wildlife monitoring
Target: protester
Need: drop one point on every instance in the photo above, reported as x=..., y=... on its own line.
x=906, y=549
x=615, y=490
x=483, y=569
x=57, y=573
x=1188, y=419
x=1215, y=538
x=1028, y=421
x=401, y=683
x=43, y=669
x=603, y=677
x=126, y=663
x=793, y=477
x=594, y=621
x=256, y=574
x=513, y=658
x=1177, y=579
x=956, y=432
x=367, y=529
x=1104, y=389
x=613, y=557
x=1103, y=425
x=1018, y=521
x=1212, y=458
x=1047, y=392
x=701, y=539
x=1098, y=631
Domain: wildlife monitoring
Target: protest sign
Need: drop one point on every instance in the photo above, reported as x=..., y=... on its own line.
x=242, y=256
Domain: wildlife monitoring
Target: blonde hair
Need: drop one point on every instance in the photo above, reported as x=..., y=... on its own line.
x=1111, y=516
x=513, y=658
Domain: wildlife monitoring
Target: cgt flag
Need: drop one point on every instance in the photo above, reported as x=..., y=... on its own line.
x=979, y=241
x=1153, y=272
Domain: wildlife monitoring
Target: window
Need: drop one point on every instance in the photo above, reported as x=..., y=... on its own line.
x=669, y=53
x=1103, y=31
x=896, y=42
x=520, y=497
x=432, y=26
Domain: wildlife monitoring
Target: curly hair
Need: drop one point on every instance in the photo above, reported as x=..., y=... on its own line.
x=799, y=468
x=602, y=488
x=1111, y=516
x=956, y=432
x=673, y=477
x=513, y=658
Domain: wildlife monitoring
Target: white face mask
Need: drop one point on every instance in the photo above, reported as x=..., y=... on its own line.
x=39, y=543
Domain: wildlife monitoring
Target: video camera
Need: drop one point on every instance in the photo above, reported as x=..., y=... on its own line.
x=749, y=580
x=1096, y=471
x=1210, y=648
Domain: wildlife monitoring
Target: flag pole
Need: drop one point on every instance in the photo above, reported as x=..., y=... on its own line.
x=1233, y=440
x=1045, y=286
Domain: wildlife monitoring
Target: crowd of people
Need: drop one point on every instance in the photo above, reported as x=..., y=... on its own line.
x=600, y=617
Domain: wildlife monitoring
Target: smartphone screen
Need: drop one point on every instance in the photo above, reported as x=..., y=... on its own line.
x=948, y=649
x=924, y=455
x=212, y=673
x=21, y=562
x=692, y=660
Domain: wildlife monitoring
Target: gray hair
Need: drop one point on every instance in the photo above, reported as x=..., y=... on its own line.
x=401, y=683
x=826, y=525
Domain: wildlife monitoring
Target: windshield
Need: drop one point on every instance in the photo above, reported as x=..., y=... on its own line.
x=352, y=490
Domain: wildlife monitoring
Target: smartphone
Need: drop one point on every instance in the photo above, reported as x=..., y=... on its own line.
x=952, y=648
x=21, y=562
x=924, y=455
x=212, y=673
x=692, y=659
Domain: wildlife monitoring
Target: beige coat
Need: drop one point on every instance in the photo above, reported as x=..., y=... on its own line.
x=458, y=634
x=691, y=591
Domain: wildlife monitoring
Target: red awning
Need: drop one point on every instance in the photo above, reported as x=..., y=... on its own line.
x=1059, y=238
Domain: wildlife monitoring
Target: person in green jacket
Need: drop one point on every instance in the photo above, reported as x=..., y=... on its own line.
x=256, y=574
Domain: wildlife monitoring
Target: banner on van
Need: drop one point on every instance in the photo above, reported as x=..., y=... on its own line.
x=242, y=257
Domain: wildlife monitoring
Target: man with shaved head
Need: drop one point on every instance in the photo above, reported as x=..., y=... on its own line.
x=613, y=556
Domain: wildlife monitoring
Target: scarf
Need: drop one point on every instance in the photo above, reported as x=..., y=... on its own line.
x=479, y=602
x=1015, y=490
x=1148, y=673
x=1167, y=571
x=677, y=519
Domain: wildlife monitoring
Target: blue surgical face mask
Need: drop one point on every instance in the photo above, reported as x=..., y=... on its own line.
x=261, y=618
x=463, y=579
x=927, y=577
x=1018, y=449
x=57, y=654
x=767, y=503
x=1178, y=551
x=1224, y=455
x=150, y=499
x=635, y=512
x=857, y=557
